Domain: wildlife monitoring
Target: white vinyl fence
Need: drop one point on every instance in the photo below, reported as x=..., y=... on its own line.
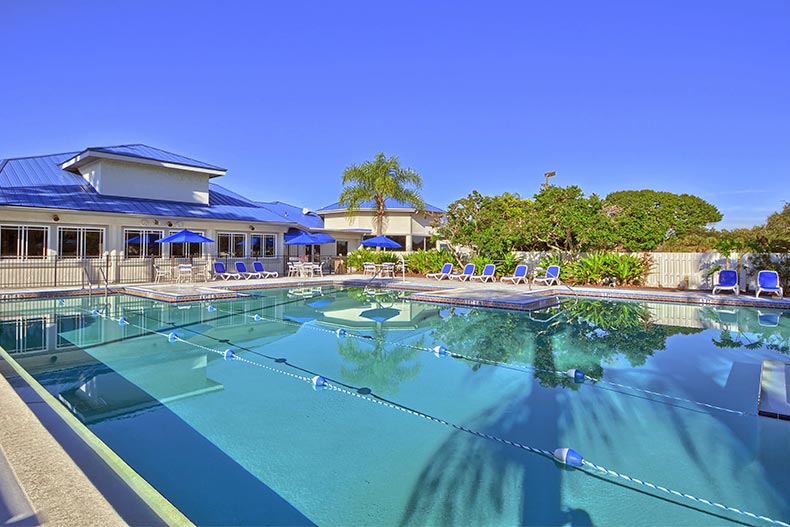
x=680, y=270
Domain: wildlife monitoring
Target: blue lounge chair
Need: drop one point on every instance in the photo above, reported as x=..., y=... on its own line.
x=519, y=275
x=768, y=282
x=728, y=281
x=220, y=272
x=488, y=274
x=468, y=271
x=258, y=266
x=447, y=270
x=241, y=268
x=552, y=276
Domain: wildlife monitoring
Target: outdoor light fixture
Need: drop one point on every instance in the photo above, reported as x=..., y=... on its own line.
x=55, y=217
x=252, y=227
x=169, y=223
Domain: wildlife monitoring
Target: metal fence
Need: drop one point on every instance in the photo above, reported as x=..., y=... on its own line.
x=119, y=270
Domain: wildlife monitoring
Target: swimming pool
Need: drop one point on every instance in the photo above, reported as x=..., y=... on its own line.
x=423, y=401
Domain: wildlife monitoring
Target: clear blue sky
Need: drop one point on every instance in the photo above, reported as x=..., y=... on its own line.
x=684, y=96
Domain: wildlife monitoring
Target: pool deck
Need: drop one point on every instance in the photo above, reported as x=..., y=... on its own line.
x=33, y=490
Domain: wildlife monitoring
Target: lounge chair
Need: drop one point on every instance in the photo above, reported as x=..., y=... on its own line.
x=768, y=282
x=161, y=274
x=241, y=268
x=467, y=273
x=220, y=272
x=488, y=274
x=552, y=276
x=519, y=275
x=447, y=270
x=258, y=266
x=728, y=281
x=388, y=270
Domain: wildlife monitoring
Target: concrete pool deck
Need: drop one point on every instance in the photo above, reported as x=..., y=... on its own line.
x=33, y=489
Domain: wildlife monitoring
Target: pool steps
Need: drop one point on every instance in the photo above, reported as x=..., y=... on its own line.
x=774, y=398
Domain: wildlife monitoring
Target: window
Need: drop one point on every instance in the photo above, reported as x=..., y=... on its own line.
x=141, y=243
x=23, y=242
x=186, y=250
x=342, y=248
x=76, y=242
x=262, y=245
x=231, y=244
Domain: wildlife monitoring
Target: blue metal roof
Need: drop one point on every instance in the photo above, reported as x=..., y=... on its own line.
x=308, y=219
x=149, y=152
x=390, y=204
x=40, y=182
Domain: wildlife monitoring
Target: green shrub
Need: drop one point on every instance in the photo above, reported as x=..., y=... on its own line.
x=600, y=267
x=430, y=261
x=363, y=254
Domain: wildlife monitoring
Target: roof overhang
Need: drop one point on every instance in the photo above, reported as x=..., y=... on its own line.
x=88, y=156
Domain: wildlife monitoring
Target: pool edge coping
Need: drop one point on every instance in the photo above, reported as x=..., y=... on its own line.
x=160, y=506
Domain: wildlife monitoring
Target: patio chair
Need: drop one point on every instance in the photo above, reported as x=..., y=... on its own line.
x=447, y=270
x=488, y=274
x=293, y=270
x=388, y=269
x=468, y=271
x=258, y=266
x=519, y=275
x=160, y=274
x=318, y=269
x=200, y=273
x=221, y=272
x=552, y=276
x=768, y=282
x=241, y=268
x=368, y=269
x=728, y=281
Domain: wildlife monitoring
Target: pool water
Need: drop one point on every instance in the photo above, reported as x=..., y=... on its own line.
x=251, y=441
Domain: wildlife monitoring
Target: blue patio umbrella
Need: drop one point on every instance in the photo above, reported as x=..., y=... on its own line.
x=185, y=236
x=380, y=314
x=303, y=239
x=323, y=238
x=381, y=241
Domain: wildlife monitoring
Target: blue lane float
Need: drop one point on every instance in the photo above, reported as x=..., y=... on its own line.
x=257, y=318
x=228, y=354
x=577, y=375
x=340, y=332
x=211, y=308
x=61, y=302
x=95, y=312
x=568, y=456
x=123, y=322
x=172, y=337
x=440, y=351
x=318, y=381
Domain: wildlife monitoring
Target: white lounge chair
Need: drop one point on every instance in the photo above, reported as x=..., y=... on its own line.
x=552, y=276
x=768, y=282
x=368, y=269
x=221, y=272
x=728, y=281
x=468, y=271
x=519, y=275
x=241, y=268
x=447, y=270
x=258, y=266
x=488, y=274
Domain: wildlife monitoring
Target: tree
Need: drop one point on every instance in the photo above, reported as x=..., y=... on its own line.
x=377, y=181
x=644, y=219
x=774, y=236
x=492, y=225
x=563, y=219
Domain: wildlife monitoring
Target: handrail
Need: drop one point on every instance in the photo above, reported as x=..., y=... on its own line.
x=88, y=277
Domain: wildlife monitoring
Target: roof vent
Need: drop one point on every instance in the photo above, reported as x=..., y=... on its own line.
x=306, y=211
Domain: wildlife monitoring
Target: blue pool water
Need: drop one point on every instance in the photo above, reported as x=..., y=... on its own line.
x=250, y=441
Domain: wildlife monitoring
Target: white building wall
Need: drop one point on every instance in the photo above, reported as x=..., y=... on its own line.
x=120, y=178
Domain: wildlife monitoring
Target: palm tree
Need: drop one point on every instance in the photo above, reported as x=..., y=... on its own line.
x=377, y=181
